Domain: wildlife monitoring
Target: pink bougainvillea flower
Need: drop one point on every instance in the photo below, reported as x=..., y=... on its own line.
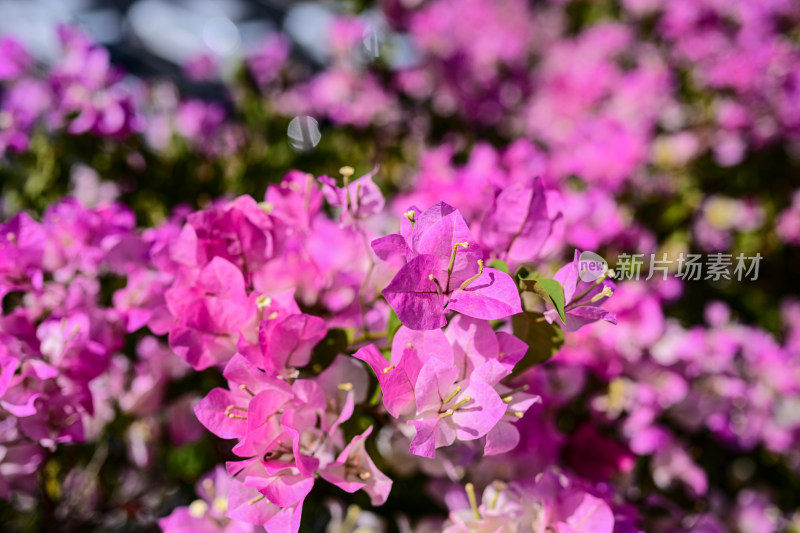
x=444, y=272
x=519, y=222
x=505, y=436
x=582, y=299
x=14, y=59
x=553, y=503
x=247, y=504
x=284, y=337
x=263, y=418
x=354, y=470
x=295, y=201
x=360, y=199
x=396, y=381
x=69, y=345
x=21, y=254
x=226, y=412
x=447, y=411
x=142, y=303
x=447, y=384
x=345, y=384
x=207, y=513
x=242, y=232
x=476, y=345
x=209, y=314
x=286, y=341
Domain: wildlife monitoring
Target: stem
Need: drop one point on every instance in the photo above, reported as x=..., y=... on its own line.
x=370, y=335
x=362, y=291
x=357, y=205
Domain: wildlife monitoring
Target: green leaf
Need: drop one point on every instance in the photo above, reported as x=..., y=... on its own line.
x=189, y=461
x=543, y=339
x=550, y=291
x=499, y=264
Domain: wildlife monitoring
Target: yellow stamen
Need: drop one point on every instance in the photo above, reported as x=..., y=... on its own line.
x=436, y=281
x=209, y=486
x=462, y=402
x=358, y=196
x=607, y=292
x=220, y=504
x=473, y=278
x=263, y=301
x=473, y=502
x=256, y=499
x=230, y=414
x=452, y=262
x=499, y=487
x=452, y=394
x=349, y=522
x=198, y=508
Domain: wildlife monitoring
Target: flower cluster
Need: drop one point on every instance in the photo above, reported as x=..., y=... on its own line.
x=289, y=434
x=552, y=502
x=58, y=337
x=447, y=385
x=427, y=325
x=443, y=272
x=235, y=272
x=83, y=94
x=232, y=303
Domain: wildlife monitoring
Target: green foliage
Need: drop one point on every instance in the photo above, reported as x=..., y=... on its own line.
x=544, y=339
x=189, y=462
x=499, y=264
x=549, y=290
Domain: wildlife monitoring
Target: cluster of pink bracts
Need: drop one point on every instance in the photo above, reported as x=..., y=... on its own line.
x=252, y=288
x=367, y=339
x=227, y=284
